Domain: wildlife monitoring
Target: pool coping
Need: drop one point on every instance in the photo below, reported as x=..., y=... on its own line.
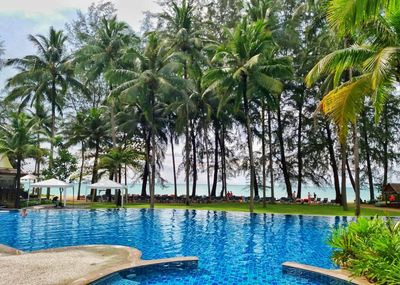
x=338, y=274
x=130, y=258
x=191, y=209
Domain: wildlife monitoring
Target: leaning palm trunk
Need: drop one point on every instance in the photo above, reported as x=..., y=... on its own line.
x=173, y=166
x=249, y=142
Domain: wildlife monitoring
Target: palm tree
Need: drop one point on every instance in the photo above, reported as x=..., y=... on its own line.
x=17, y=140
x=373, y=59
x=149, y=79
x=103, y=53
x=95, y=131
x=76, y=133
x=242, y=73
x=53, y=67
x=186, y=40
x=115, y=159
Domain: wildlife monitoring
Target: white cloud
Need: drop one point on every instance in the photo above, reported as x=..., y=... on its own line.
x=130, y=11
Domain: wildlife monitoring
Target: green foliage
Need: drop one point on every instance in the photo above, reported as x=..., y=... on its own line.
x=370, y=248
x=63, y=165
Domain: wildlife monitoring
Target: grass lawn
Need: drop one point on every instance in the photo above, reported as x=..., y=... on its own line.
x=329, y=210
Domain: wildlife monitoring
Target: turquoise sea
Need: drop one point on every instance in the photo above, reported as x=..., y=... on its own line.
x=237, y=190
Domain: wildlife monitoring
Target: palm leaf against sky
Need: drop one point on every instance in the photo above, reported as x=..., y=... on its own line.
x=374, y=56
x=48, y=74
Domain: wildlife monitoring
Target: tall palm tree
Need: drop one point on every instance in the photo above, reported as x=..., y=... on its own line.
x=52, y=67
x=150, y=78
x=186, y=39
x=242, y=73
x=17, y=140
x=103, y=53
x=77, y=133
x=373, y=59
x=96, y=132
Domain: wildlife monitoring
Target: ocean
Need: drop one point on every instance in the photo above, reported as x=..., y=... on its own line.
x=237, y=190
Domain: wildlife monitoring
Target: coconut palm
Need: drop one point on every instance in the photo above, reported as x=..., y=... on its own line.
x=51, y=71
x=103, y=53
x=242, y=73
x=367, y=68
x=17, y=140
x=186, y=40
x=150, y=78
x=77, y=133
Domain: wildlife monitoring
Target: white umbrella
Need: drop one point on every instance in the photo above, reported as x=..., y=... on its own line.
x=108, y=184
x=53, y=183
x=29, y=178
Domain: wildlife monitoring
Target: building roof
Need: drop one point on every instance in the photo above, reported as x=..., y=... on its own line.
x=5, y=165
x=392, y=188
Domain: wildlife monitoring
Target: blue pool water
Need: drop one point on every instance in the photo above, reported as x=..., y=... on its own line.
x=233, y=248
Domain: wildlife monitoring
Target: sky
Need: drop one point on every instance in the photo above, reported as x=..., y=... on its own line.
x=19, y=18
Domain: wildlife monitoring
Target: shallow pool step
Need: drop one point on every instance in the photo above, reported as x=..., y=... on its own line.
x=322, y=275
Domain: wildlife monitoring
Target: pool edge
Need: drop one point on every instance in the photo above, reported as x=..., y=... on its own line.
x=337, y=274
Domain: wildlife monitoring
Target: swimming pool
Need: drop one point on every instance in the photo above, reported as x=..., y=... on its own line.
x=234, y=248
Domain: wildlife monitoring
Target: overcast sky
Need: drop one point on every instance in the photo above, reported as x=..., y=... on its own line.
x=18, y=18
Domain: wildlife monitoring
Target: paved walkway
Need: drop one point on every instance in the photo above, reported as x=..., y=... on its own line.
x=71, y=265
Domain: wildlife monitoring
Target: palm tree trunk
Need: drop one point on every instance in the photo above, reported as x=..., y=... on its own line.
x=193, y=137
x=356, y=141
x=343, y=170
x=81, y=171
x=299, y=153
x=113, y=124
x=352, y=181
x=187, y=161
x=153, y=168
x=173, y=165
x=263, y=160
x=368, y=157
x=223, y=163
x=249, y=141
x=285, y=170
x=207, y=163
x=95, y=170
x=271, y=161
x=332, y=158
x=146, y=165
x=53, y=130
x=385, y=147
x=18, y=184
x=216, y=161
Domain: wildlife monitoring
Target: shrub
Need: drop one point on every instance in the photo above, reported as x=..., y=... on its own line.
x=370, y=248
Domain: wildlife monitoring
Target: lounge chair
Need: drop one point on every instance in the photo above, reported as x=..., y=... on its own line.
x=325, y=201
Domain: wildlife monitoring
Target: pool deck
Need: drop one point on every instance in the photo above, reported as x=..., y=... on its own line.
x=71, y=265
x=339, y=274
